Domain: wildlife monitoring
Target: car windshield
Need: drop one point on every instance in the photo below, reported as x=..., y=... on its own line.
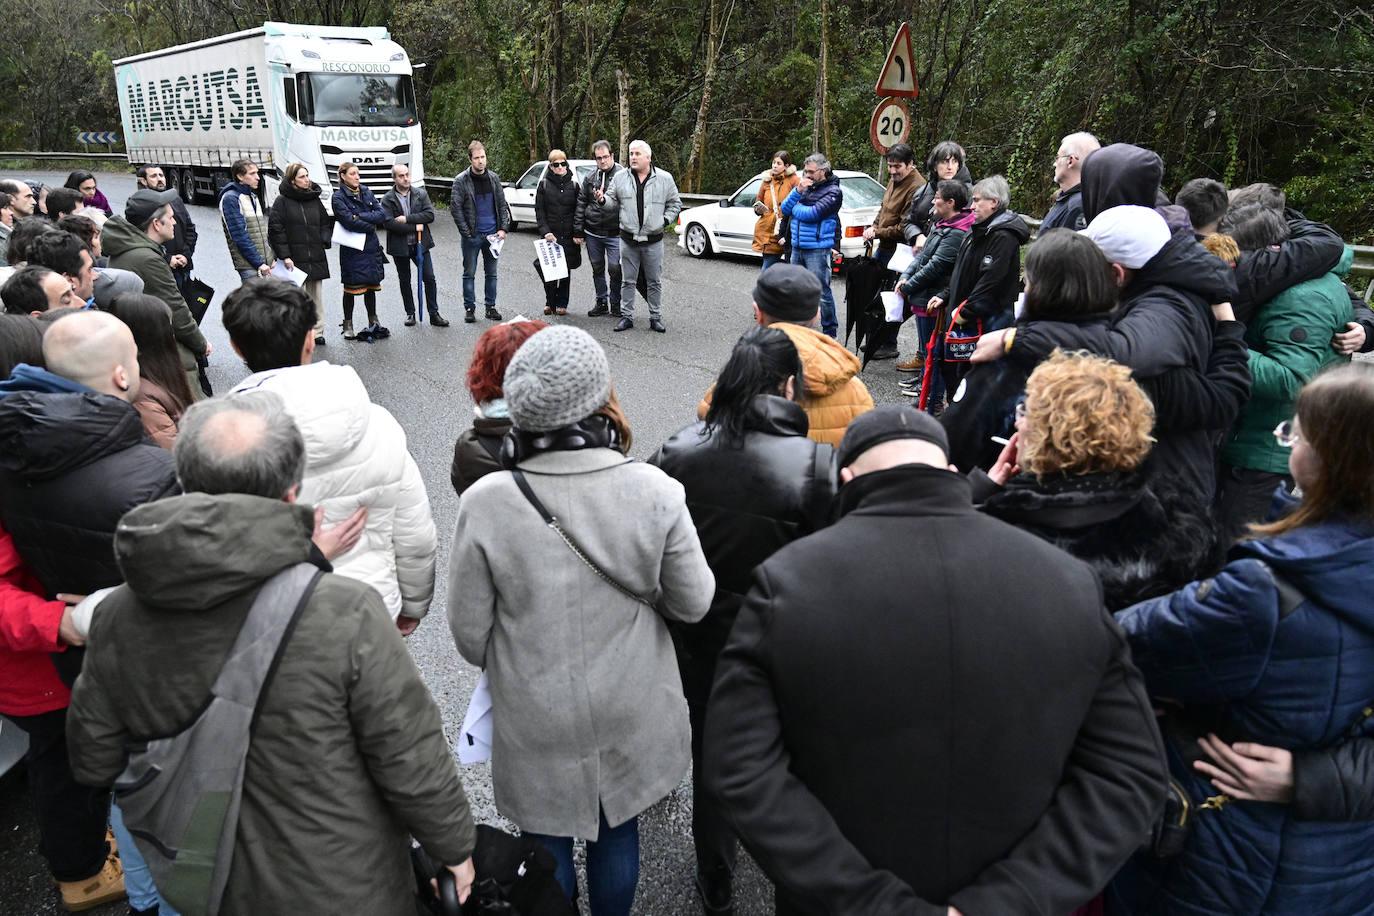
x=349, y=100
x=861, y=191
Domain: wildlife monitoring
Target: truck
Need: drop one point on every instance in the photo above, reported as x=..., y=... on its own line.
x=282, y=93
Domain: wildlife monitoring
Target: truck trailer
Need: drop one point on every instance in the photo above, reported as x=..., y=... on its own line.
x=282, y=93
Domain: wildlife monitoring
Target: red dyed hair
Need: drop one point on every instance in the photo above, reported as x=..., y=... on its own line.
x=493, y=354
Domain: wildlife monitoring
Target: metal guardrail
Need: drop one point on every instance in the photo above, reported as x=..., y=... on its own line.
x=24, y=154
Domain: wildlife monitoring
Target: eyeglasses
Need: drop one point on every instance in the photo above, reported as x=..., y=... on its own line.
x=603, y=157
x=1066, y=157
x=558, y=165
x=1286, y=434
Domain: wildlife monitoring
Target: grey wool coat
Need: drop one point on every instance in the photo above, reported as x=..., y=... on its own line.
x=587, y=702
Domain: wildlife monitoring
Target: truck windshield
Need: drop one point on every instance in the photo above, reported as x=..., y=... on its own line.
x=350, y=100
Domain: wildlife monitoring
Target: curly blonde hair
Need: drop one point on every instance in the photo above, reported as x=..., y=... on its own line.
x=1084, y=415
x=1223, y=246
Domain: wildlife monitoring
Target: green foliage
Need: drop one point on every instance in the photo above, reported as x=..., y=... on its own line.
x=1242, y=91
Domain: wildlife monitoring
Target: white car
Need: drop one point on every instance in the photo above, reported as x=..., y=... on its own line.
x=520, y=193
x=727, y=227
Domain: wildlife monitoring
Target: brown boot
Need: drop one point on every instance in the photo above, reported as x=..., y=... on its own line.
x=911, y=365
x=105, y=886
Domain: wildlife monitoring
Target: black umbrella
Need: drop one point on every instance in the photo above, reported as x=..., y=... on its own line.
x=863, y=282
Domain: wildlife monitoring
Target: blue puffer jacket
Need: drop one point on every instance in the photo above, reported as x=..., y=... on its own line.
x=815, y=215
x=1286, y=661
x=360, y=213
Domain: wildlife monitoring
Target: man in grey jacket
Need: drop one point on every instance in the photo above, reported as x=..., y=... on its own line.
x=409, y=214
x=347, y=756
x=648, y=201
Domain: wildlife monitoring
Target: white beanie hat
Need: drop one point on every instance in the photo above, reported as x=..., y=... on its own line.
x=558, y=377
x=1129, y=236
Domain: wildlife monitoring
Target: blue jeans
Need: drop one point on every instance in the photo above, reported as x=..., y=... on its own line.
x=470, y=249
x=817, y=260
x=248, y=274
x=612, y=866
x=138, y=881
x=769, y=260
x=604, y=254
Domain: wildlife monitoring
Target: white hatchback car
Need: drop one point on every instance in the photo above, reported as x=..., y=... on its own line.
x=727, y=227
x=520, y=193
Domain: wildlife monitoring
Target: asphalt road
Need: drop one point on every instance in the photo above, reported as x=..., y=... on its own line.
x=418, y=376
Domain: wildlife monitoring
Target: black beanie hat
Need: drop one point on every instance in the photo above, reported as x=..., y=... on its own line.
x=884, y=424
x=787, y=292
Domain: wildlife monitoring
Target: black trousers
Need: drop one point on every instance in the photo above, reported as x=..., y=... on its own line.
x=1244, y=496
x=71, y=817
x=403, y=266
x=698, y=647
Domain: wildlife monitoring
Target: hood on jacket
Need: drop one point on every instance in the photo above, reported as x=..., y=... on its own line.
x=119, y=236
x=329, y=403
x=112, y=282
x=291, y=192
x=1185, y=265
x=43, y=435
x=1006, y=221
x=1320, y=560
x=826, y=363
x=36, y=378
x=1119, y=175
x=196, y=551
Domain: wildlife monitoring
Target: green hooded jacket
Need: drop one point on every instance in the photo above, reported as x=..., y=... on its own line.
x=1290, y=342
x=348, y=755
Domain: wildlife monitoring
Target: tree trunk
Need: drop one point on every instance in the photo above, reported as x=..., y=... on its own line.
x=820, y=125
x=622, y=81
x=691, y=181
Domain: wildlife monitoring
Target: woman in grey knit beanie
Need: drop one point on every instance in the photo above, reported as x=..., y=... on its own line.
x=590, y=723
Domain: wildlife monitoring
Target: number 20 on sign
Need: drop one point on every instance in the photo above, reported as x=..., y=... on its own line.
x=890, y=125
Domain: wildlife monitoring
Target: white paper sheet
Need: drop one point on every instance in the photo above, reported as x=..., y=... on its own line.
x=496, y=243
x=1020, y=306
x=351, y=239
x=893, y=305
x=552, y=264
x=293, y=275
x=901, y=258
x=474, y=740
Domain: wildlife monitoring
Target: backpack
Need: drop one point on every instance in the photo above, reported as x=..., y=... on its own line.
x=180, y=794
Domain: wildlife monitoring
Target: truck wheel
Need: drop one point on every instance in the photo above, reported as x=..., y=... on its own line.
x=186, y=186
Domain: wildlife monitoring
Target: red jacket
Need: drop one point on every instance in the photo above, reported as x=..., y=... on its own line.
x=29, y=684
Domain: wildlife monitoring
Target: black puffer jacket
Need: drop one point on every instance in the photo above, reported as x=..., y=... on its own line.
x=555, y=210
x=299, y=228
x=748, y=501
x=477, y=452
x=987, y=272
x=1143, y=539
x=71, y=465
x=594, y=218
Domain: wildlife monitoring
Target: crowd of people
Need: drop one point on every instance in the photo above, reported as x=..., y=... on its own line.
x=1081, y=630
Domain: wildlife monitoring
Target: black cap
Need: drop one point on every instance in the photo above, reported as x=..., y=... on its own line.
x=143, y=205
x=787, y=292
x=884, y=424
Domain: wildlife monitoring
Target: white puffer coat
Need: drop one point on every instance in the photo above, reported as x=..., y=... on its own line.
x=356, y=455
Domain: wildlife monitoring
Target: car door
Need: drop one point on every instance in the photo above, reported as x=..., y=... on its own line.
x=735, y=223
x=520, y=196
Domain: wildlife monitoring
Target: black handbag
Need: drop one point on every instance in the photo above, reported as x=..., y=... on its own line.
x=515, y=877
x=198, y=294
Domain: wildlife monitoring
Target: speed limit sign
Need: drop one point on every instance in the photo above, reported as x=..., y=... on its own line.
x=890, y=125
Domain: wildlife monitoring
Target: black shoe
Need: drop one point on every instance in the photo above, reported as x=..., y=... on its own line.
x=656, y=325
x=470, y=316
x=601, y=308
x=615, y=311
x=623, y=324
x=410, y=319
x=493, y=314
x=438, y=321
x=884, y=352
x=716, y=892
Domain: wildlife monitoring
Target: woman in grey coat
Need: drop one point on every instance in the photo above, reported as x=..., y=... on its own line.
x=590, y=724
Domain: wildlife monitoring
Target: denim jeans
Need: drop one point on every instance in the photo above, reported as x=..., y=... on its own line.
x=138, y=880
x=248, y=274
x=403, y=266
x=612, y=867
x=471, y=247
x=769, y=260
x=604, y=254
x=817, y=260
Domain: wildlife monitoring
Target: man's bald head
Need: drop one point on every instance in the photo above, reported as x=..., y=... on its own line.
x=95, y=349
x=245, y=443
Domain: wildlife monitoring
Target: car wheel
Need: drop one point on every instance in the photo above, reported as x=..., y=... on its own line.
x=698, y=242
